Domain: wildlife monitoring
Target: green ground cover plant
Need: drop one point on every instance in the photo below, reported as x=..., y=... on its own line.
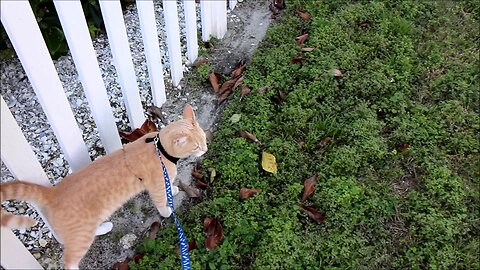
x=394, y=85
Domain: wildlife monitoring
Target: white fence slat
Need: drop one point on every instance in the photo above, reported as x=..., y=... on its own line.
x=13, y=255
x=76, y=32
x=206, y=18
x=152, y=52
x=122, y=58
x=22, y=29
x=172, y=28
x=232, y=4
x=219, y=16
x=191, y=29
x=16, y=152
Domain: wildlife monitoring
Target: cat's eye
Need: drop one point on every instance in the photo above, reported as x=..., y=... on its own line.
x=196, y=147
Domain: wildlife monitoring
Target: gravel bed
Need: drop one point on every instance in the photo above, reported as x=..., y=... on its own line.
x=22, y=102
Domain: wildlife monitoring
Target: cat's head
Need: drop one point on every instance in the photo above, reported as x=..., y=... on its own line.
x=186, y=136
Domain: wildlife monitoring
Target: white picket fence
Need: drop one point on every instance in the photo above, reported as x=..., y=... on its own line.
x=24, y=33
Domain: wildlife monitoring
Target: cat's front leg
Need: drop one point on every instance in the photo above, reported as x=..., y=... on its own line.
x=174, y=190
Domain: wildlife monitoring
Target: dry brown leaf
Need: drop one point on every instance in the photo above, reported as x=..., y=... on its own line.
x=214, y=231
x=337, y=72
x=191, y=192
x=132, y=136
x=239, y=70
x=214, y=78
x=154, y=228
x=298, y=59
x=148, y=126
x=201, y=184
x=301, y=39
x=155, y=112
x=121, y=265
x=324, y=141
x=197, y=175
x=191, y=246
x=250, y=136
x=262, y=89
x=246, y=193
x=404, y=147
x=279, y=4
x=138, y=257
x=301, y=144
x=227, y=86
x=303, y=14
x=314, y=214
x=309, y=187
x=245, y=91
x=238, y=83
x=199, y=62
x=307, y=49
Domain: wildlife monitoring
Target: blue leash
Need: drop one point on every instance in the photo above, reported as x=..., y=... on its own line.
x=181, y=235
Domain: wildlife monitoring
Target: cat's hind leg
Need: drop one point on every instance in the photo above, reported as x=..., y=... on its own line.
x=75, y=247
x=104, y=228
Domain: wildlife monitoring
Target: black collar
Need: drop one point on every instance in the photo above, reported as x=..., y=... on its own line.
x=162, y=150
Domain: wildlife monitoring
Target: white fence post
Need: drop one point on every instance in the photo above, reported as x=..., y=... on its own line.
x=122, y=58
x=23, y=164
x=22, y=29
x=219, y=16
x=16, y=152
x=148, y=27
x=173, y=40
x=76, y=31
x=207, y=20
x=191, y=29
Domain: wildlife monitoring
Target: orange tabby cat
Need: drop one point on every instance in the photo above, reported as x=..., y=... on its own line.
x=76, y=207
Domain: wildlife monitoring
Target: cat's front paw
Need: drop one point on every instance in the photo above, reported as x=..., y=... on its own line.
x=174, y=190
x=165, y=211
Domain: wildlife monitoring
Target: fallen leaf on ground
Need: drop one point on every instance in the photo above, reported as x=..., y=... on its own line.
x=269, y=162
x=197, y=175
x=121, y=265
x=191, y=246
x=307, y=49
x=239, y=70
x=154, y=228
x=235, y=118
x=155, y=112
x=246, y=193
x=404, y=147
x=324, y=141
x=213, y=173
x=298, y=59
x=303, y=14
x=309, y=187
x=199, y=62
x=214, y=78
x=149, y=126
x=245, y=91
x=132, y=136
x=301, y=144
x=191, y=192
x=201, y=184
x=237, y=83
x=279, y=4
x=301, y=39
x=336, y=72
x=227, y=86
x=138, y=257
x=214, y=231
x=314, y=214
x=262, y=89
x=250, y=136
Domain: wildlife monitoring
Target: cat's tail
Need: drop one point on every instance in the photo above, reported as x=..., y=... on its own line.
x=24, y=191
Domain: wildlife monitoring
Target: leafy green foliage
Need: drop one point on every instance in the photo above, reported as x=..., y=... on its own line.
x=398, y=179
x=51, y=29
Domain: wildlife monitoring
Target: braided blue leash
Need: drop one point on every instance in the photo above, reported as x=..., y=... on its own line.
x=181, y=235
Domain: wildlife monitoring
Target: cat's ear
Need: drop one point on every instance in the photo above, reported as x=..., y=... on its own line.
x=188, y=112
x=180, y=141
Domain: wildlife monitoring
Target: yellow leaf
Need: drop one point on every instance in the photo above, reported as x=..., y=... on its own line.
x=269, y=163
